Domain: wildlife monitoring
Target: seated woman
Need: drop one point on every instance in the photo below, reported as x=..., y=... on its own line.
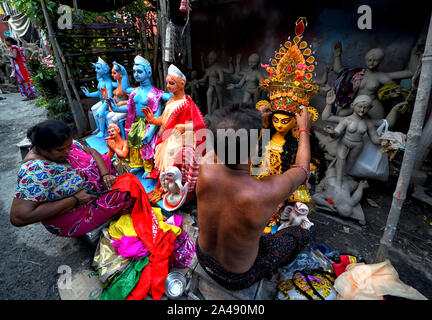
x=58, y=183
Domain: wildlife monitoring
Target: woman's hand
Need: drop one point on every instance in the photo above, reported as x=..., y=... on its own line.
x=84, y=197
x=108, y=181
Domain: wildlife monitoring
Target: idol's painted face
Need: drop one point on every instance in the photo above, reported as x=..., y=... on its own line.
x=99, y=68
x=171, y=84
x=140, y=73
x=115, y=74
x=113, y=131
x=283, y=123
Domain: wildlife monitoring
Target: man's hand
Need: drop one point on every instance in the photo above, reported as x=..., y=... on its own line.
x=304, y=120
x=266, y=113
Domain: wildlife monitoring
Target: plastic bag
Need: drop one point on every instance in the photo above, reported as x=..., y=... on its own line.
x=372, y=163
x=393, y=140
x=309, y=285
x=184, y=251
x=106, y=260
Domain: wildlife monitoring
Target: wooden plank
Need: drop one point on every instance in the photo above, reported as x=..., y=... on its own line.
x=97, y=52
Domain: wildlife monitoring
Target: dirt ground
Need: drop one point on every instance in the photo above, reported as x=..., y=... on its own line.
x=32, y=256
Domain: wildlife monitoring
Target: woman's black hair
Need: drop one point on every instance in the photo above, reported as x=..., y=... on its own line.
x=49, y=134
x=11, y=40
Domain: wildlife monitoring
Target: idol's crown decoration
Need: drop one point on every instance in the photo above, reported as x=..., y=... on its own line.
x=290, y=84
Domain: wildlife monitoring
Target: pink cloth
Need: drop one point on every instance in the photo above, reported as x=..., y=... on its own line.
x=130, y=247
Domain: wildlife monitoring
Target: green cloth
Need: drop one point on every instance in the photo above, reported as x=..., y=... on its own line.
x=125, y=282
x=137, y=132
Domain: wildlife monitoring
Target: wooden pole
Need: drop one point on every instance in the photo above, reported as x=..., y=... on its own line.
x=60, y=67
x=413, y=139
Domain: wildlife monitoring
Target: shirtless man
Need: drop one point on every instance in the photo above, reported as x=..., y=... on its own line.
x=234, y=208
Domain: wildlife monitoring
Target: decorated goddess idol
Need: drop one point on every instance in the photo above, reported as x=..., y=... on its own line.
x=290, y=86
x=141, y=134
x=105, y=91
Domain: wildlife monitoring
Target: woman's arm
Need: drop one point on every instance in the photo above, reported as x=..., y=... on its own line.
x=108, y=180
x=25, y=212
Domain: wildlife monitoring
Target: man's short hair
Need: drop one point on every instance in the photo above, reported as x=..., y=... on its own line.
x=238, y=123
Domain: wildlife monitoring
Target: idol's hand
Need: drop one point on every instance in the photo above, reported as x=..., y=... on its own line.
x=85, y=91
x=111, y=102
x=149, y=114
x=331, y=97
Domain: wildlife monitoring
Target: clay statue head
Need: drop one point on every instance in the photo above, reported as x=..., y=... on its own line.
x=282, y=122
x=253, y=60
x=115, y=74
x=194, y=74
x=101, y=67
x=113, y=130
x=373, y=58
x=141, y=69
x=361, y=105
x=172, y=174
x=175, y=79
x=301, y=209
x=212, y=57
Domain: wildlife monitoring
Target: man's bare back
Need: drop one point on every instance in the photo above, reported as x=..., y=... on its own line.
x=227, y=228
x=234, y=207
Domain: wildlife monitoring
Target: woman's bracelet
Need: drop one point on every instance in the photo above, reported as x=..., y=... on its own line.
x=77, y=202
x=105, y=174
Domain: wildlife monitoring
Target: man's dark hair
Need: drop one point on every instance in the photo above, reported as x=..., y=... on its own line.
x=11, y=40
x=49, y=134
x=240, y=120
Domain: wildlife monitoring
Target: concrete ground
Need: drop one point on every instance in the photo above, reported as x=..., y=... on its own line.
x=32, y=256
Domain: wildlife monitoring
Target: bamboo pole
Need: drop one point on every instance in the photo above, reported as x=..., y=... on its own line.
x=60, y=67
x=413, y=139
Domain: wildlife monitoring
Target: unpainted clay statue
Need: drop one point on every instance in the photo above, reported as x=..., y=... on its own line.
x=367, y=81
x=251, y=78
x=295, y=216
x=193, y=86
x=214, y=75
x=351, y=129
x=119, y=147
x=341, y=199
x=175, y=193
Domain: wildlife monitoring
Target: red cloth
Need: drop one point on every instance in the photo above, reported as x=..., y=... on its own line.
x=186, y=112
x=159, y=243
x=153, y=276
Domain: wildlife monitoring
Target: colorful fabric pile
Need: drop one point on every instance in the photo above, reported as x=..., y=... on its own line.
x=148, y=242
